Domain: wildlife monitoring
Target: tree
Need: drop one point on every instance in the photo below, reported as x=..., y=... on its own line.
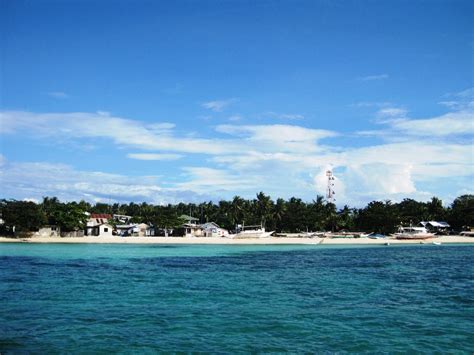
x=435, y=210
x=461, y=214
x=345, y=218
x=264, y=209
x=22, y=216
x=378, y=216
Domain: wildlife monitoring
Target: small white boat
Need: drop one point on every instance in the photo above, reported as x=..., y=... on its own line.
x=413, y=233
x=436, y=243
x=251, y=232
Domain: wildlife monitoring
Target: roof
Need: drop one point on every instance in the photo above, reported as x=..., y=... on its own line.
x=125, y=226
x=190, y=225
x=101, y=215
x=436, y=224
x=439, y=224
x=210, y=225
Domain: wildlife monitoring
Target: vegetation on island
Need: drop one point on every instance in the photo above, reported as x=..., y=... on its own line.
x=293, y=215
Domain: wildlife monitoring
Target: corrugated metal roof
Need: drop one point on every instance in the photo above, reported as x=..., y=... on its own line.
x=101, y=215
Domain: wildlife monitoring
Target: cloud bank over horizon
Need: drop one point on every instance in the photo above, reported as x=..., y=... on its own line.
x=411, y=158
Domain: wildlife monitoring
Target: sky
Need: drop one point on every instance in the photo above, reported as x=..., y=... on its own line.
x=170, y=101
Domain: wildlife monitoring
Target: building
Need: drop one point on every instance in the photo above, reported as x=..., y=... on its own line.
x=436, y=227
x=48, y=231
x=211, y=229
x=99, y=218
x=135, y=230
x=98, y=226
x=192, y=230
x=101, y=230
x=121, y=218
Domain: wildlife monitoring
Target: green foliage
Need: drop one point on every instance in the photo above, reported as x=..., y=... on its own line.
x=293, y=215
x=461, y=214
x=21, y=216
x=68, y=216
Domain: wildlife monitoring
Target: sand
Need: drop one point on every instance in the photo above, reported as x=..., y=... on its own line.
x=202, y=240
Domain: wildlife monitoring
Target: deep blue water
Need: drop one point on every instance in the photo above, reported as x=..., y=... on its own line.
x=147, y=298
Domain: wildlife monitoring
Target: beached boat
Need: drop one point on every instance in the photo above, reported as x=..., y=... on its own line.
x=375, y=236
x=413, y=233
x=251, y=232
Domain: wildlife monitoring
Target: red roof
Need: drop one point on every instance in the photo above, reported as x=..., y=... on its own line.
x=101, y=215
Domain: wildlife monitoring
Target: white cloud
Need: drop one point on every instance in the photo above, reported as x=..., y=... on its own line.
x=277, y=138
x=391, y=112
x=284, y=116
x=445, y=125
x=36, y=180
x=280, y=159
x=154, y=156
x=58, y=95
x=124, y=132
x=374, y=77
x=461, y=101
x=218, y=105
x=202, y=179
x=235, y=118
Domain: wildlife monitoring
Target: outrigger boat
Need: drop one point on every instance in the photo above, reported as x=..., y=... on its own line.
x=413, y=233
x=251, y=232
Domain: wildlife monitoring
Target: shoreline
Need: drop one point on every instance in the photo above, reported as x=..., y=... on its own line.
x=228, y=241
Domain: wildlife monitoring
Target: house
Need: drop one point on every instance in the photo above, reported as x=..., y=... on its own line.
x=101, y=230
x=125, y=230
x=97, y=225
x=99, y=218
x=211, y=229
x=192, y=230
x=121, y=218
x=48, y=231
x=142, y=229
x=136, y=230
x=438, y=227
x=188, y=219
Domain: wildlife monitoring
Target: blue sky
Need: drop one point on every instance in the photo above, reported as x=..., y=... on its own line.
x=197, y=100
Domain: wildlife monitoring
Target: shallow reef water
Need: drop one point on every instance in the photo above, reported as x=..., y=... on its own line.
x=236, y=298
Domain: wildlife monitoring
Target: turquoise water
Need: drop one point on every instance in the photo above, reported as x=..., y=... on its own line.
x=214, y=298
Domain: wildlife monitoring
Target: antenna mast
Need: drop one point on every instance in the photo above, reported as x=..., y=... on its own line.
x=330, y=188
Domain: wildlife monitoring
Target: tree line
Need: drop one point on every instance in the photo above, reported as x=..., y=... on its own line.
x=292, y=215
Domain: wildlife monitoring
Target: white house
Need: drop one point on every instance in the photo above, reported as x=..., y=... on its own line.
x=98, y=226
x=192, y=230
x=434, y=226
x=48, y=231
x=211, y=229
x=102, y=230
x=136, y=230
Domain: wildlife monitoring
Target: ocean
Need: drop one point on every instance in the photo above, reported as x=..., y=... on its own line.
x=93, y=298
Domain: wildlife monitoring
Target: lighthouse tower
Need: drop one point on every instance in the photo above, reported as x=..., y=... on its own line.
x=330, y=188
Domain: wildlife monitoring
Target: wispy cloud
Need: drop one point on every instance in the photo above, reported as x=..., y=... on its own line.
x=372, y=104
x=463, y=100
x=373, y=77
x=281, y=159
x=58, y=95
x=154, y=156
x=283, y=116
x=235, y=118
x=391, y=113
x=218, y=105
x=39, y=179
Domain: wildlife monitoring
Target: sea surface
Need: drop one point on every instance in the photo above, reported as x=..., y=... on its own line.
x=62, y=298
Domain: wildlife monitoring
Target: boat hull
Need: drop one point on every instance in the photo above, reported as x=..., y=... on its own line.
x=247, y=235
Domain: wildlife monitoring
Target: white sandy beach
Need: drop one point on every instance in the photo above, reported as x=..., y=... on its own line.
x=263, y=241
